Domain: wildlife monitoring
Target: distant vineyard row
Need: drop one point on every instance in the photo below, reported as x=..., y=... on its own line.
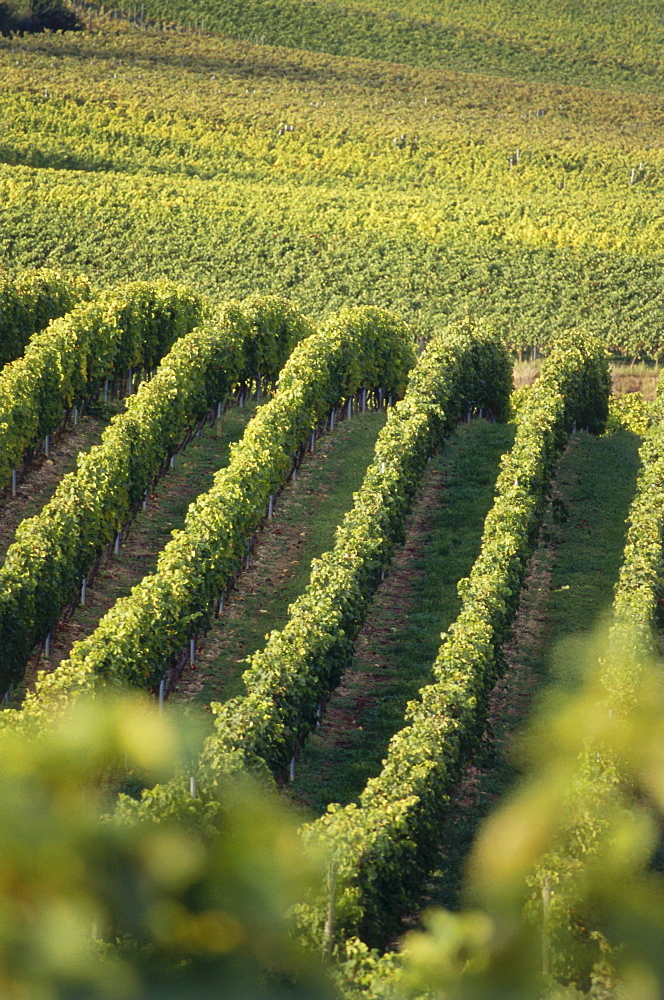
x=245, y=169
x=382, y=848
x=324, y=260
x=494, y=38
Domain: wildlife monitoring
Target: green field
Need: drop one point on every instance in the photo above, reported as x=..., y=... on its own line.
x=397, y=186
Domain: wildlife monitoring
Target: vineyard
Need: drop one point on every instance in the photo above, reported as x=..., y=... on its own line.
x=331, y=501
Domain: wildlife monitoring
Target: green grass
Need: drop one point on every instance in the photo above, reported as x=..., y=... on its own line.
x=590, y=533
x=569, y=590
x=306, y=516
x=419, y=599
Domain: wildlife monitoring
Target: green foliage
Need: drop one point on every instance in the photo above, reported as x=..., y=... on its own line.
x=69, y=361
x=575, y=843
x=460, y=369
x=599, y=793
x=402, y=628
x=192, y=900
x=383, y=846
x=306, y=519
x=641, y=581
x=137, y=640
x=53, y=15
x=176, y=158
x=587, y=819
x=99, y=907
x=631, y=412
x=29, y=302
x=561, y=41
x=299, y=665
x=54, y=550
x=19, y=16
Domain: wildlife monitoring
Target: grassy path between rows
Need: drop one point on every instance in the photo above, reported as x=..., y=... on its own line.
x=418, y=599
x=306, y=516
x=568, y=589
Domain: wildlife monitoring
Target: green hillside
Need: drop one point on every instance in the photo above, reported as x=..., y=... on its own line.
x=243, y=168
x=569, y=41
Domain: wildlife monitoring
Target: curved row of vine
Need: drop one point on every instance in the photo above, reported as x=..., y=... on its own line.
x=138, y=638
x=384, y=846
x=459, y=370
x=30, y=301
x=302, y=663
x=640, y=583
x=53, y=551
x=123, y=328
x=602, y=785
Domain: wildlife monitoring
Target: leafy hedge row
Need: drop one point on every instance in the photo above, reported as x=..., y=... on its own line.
x=383, y=846
x=55, y=549
x=139, y=637
x=126, y=327
x=599, y=788
x=641, y=581
x=29, y=302
x=458, y=370
x=600, y=782
x=301, y=664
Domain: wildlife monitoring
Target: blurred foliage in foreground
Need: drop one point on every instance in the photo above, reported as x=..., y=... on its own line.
x=566, y=898
x=570, y=901
x=90, y=907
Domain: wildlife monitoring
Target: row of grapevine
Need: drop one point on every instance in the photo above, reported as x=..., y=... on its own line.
x=287, y=681
x=538, y=222
x=459, y=370
x=639, y=585
x=139, y=637
x=124, y=328
x=601, y=772
x=382, y=847
x=29, y=302
x=55, y=550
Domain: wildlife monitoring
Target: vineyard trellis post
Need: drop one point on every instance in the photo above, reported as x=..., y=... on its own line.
x=328, y=930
